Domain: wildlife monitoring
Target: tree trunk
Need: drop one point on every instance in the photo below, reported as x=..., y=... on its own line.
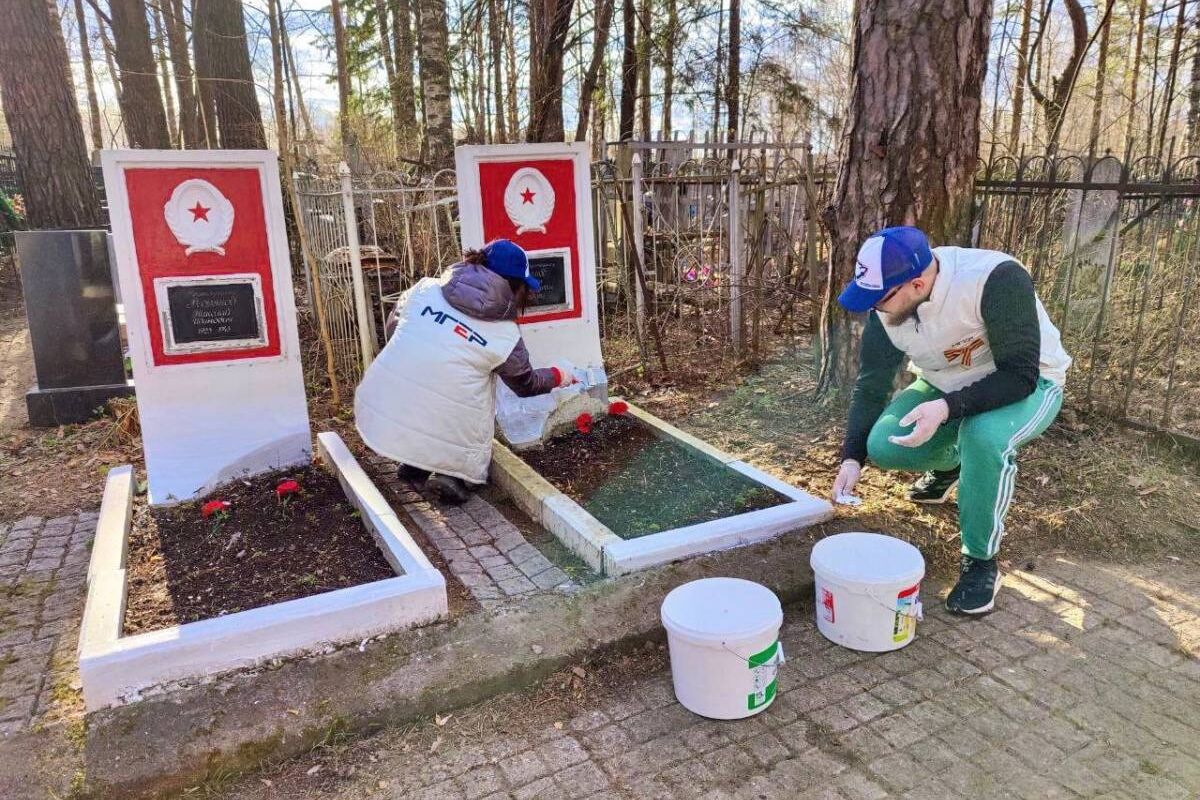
x=107, y=47
x=402, y=38
x=1172, y=73
x=43, y=120
x=1054, y=105
x=305, y=119
x=629, y=67
x=89, y=78
x=496, y=41
x=1193, y=117
x=349, y=145
x=550, y=20
x=669, y=37
x=511, y=76
x=604, y=13
x=1098, y=93
x=435, y=83
x=189, y=111
x=223, y=64
x=733, y=86
x=389, y=68
x=141, y=98
x=718, y=66
x=1135, y=73
x=1018, y=103
x=160, y=43
x=1148, y=149
x=644, y=61
x=911, y=146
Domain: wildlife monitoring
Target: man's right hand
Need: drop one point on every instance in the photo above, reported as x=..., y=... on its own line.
x=847, y=477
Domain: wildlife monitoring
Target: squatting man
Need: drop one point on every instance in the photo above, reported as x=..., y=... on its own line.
x=990, y=369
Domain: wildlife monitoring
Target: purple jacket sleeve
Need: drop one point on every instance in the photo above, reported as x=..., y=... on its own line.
x=520, y=376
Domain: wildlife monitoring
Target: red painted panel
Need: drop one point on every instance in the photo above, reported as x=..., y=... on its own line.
x=159, y=254
x=560, y=229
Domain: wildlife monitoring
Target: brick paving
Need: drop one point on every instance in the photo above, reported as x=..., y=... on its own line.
x=1084, y=684
x=43, y=572
x=482, y=548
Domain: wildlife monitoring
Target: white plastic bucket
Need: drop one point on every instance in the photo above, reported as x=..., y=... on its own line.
x=868, y=590
x=723, y=634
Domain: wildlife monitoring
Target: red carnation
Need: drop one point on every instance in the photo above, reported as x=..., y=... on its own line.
x=618, y=407
x=583, y=423
x=218, y=507
x=285, y=488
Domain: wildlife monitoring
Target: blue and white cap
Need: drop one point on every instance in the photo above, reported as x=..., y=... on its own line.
x=887, y=259
x=508, y=259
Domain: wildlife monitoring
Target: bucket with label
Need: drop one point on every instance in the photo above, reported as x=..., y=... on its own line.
x=868, y=589
x=723, y=635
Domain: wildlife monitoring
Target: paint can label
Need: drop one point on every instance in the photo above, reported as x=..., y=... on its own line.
x=765, y=667
x=827, y=605
x=905, y=624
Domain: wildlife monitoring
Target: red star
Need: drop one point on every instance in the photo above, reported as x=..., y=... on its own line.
x=527, y=197
x=199, y=212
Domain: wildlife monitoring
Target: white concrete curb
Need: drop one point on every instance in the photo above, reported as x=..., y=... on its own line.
x=116, y=669
x=608, y=553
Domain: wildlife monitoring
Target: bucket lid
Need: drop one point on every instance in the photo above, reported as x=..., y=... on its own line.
x=867, y=558
x=719, y=609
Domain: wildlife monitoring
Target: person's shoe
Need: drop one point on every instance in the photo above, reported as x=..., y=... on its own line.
x=448, y=489
x=406, y=472
x=975, y=592
x=934, y=488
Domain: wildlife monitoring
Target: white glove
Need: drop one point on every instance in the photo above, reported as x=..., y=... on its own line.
x=925, y=419
x=843, y=485
x=565, y=372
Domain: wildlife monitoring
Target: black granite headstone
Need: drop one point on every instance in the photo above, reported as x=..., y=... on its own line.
x=71, y=308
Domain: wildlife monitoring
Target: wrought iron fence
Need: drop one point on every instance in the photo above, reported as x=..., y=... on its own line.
x=1114, y=249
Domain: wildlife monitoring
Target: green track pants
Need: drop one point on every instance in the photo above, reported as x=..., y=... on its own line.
x=986, y=447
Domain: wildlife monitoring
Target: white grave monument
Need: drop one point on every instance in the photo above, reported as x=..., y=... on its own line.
x=539, y=196
x=202, y=261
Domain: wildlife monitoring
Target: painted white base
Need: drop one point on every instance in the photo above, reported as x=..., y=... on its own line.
x=608, y=553
x=117, y=669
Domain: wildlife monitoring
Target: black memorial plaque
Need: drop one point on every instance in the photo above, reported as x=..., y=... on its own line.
x=551, y=271
x=213, y=312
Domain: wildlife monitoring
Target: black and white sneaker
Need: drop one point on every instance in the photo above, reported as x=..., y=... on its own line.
x=934, y=488
x=975, y=592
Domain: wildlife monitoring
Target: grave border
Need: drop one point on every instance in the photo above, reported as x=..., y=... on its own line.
x=116, y=670
x=607, y=553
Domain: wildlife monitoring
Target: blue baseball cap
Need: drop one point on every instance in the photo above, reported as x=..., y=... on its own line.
x=508, y=259
x=887, y=259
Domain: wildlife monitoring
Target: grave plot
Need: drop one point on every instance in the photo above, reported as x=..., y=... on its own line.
x=187, y=597
x=635, y=492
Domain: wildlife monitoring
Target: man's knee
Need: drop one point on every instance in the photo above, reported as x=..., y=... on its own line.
x=886, y=455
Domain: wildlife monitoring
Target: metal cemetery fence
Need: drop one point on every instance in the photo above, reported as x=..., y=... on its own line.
x=1113, y=250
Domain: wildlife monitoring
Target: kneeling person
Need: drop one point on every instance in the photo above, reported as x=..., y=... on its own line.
x=428, y=399
x=990, y=369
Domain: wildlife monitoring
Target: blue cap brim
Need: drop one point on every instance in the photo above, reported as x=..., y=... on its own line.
x=533, y=283
x=856, y=299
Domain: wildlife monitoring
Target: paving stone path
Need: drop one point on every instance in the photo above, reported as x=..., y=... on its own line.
x=1085, y=684
x=483, y=550
x=43, y=572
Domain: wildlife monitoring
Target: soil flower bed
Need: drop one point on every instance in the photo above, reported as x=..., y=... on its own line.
x=265, y=547
x=637, y=483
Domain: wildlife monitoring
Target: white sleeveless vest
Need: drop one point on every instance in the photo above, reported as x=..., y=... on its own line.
x=428, y=398
x=947, y=343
